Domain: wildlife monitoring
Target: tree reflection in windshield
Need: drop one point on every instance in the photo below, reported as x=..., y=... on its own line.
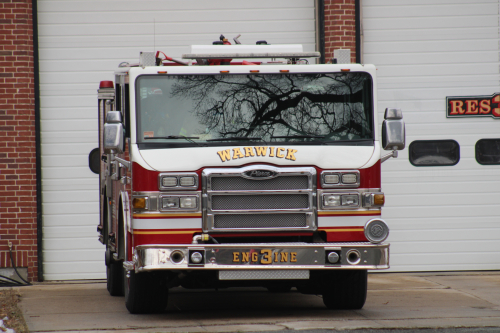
x=281, y=107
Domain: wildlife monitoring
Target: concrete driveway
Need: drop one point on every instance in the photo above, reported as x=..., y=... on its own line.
x=395, y=300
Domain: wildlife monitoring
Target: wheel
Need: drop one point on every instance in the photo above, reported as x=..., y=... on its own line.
x=345, y=290
x=146, y=292
x=279, y=289
x=114, y=269
x=114, y=277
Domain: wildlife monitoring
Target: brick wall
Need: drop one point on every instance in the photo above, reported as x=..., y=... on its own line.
x=340, y=27
x=17, y=137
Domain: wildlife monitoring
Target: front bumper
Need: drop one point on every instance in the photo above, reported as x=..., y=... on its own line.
x=269, y=256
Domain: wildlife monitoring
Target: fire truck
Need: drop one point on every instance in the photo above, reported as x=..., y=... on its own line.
x=243, y=166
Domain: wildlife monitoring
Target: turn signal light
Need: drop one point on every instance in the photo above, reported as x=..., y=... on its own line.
x=139, y=203
x=373, y=199
x=379, y=199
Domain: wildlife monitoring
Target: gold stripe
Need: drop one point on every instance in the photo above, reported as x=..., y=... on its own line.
x=168, y=215
x=164, y=232
x=350, y=212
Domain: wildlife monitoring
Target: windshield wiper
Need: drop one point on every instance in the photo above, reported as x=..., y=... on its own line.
x=175, y=137
x=236, y=138
x=297, y=137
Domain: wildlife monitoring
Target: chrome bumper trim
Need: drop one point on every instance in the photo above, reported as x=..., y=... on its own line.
x=272, y=256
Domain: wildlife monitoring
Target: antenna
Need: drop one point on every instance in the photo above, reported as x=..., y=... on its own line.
x=154, y=34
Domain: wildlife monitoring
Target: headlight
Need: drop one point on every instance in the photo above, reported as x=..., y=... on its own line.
x=350, y=200
x=187, y=181
x=188, y=202
x=182, y=202
x=331, y=178
x=349, y=178
x=339, y=179
x=169, y=202
x=178, y=181
x=331, y=200
x=340, y=200
x=169, y=181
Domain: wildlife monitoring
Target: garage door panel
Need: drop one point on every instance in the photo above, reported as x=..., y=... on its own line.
x=443, y=223
x=388, y=23
x=156, y=6
x=74, y=255
x=70, y=208
x=449, y=247
x=71, y=196
x=448, y=199
x=179, y=16
x=431, y=238
x=74, y=219
x=147, y=29
x=432, y=58
x=441, y=10
x=82, y=43
x=473, y=212
x=442, y=188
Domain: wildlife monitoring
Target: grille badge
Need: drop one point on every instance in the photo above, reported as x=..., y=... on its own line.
x=259, y=174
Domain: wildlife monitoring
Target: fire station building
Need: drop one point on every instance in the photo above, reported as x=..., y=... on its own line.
x=437, y=60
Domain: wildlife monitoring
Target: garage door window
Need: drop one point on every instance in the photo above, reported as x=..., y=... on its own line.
x=434, y=152
x=488, y=151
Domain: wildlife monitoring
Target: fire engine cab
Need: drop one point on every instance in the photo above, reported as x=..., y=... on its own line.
x=243, y=165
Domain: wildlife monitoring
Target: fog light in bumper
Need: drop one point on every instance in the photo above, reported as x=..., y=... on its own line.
x=196, y=257
x=333, y=257
x=376, y=231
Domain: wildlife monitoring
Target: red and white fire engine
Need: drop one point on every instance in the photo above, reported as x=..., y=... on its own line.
x=243, y=165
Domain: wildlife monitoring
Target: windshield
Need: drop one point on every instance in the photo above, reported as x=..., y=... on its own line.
x=190, y=110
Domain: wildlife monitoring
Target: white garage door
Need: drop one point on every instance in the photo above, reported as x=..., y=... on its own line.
x=81, y=43
x=448, y=217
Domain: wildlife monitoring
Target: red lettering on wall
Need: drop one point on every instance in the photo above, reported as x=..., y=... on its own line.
x=485, y=107
x=471, y=106
x=496, y=111
x=456, y=107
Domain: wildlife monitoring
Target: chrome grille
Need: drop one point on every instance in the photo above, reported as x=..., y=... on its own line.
x=232, y=200
x=242, y=184
x=250, y=202
x=245, y=221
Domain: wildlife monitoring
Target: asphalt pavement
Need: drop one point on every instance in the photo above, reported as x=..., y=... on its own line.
x=456, y=302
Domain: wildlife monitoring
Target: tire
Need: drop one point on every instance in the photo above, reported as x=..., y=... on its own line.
x=115, y=278
x=114, y=269
x=146, y=292
x=345, y=290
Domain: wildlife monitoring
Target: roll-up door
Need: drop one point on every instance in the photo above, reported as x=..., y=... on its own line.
x=446, y=216
x=82, y=43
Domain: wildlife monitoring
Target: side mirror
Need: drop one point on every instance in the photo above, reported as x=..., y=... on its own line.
x=113, y=133
x=393, y=130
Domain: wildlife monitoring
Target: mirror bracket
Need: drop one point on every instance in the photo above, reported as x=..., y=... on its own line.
x=394, y=154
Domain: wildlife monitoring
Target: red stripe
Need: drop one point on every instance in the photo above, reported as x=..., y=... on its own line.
x=185, y=238
x=166, y=217
x=344, y=236
x=264, y=234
